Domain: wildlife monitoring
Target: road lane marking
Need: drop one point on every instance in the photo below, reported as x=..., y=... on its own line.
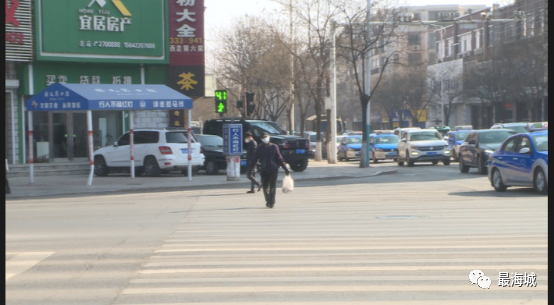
x=314, y=288
x=23, y=261
x=343, y=268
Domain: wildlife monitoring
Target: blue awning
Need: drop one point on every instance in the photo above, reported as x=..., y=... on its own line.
x=78, y=97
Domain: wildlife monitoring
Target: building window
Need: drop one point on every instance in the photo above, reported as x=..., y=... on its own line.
x=413, y=39
x=478, y=39
x=414, y=58
x=449, y=44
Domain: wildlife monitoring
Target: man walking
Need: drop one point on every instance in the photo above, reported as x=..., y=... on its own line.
x=270, y=159
x=250, y=152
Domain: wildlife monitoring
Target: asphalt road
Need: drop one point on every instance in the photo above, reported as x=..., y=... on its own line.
x=408, y=238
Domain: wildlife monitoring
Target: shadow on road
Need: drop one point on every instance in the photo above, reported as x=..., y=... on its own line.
x=515, y=192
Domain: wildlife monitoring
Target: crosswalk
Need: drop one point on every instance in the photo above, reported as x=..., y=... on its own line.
x=18, y=262
x=342, y=247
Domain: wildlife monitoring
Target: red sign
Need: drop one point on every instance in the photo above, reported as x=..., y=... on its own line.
x=507, y=105
x=10, y=12
x=186, y=32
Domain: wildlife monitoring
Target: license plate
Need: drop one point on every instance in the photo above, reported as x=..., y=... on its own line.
x=186, y=151
x=432, y=153
x=300, y=151
x=391, y=154
x=358, y=152
x=243, y=162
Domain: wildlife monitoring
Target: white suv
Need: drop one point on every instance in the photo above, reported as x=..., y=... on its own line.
x=424, y=145
x=155, y=151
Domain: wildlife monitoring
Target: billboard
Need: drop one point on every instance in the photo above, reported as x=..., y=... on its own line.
x=19, y=30
x=186, y=47
x=132, y=31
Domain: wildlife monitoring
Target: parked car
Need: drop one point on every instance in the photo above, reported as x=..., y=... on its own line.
x=424, y=145
x=477, y=147
x=455, y=139
x=155, y=151
x=312, y=137
x=293, y=148
x=400, y=131
x=383, y=131
x=517, y=127
x=350, y=147
x=522, y=160
x=383, y=146
x=444, y=130
x=213, y=152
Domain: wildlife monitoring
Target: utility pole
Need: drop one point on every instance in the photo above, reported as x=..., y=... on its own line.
x=291, y=77
x=332, y=141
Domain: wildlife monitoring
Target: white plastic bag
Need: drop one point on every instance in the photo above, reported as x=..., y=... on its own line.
x=288, y=184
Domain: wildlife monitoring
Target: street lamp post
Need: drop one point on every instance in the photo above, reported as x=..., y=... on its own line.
x=368, y=83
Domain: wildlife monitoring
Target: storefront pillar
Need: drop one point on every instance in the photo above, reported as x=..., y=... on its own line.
x=132, y=144
x=31, y=157
x=90, y=147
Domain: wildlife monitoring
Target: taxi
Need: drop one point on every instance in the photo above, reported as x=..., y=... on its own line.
x=522, y=160
x=383, y=146
x=455, y=139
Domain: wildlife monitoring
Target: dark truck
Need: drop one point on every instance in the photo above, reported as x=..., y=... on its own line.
x=295, y=149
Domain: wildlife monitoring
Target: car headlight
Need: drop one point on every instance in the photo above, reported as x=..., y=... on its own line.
x=488, y=151
x=379, y=149
x=414, y=147
x=447, y=151
x=415, y=153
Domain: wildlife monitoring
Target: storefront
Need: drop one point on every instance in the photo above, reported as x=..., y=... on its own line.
x=98, y=42
x=19, y=47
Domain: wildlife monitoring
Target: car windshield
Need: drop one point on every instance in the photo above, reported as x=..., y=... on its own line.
x=269, y=127
x=176, y=137
x=211, y=143
x=517, y=128
x=541, y=142
x=461, y=136
x=386, y=140
x=354, y=140
x=495, y=137
x=425, y=136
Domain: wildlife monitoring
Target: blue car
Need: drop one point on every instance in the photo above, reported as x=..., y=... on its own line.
x=383, y=146
x=350, y=147
x=522, y=160
x=455, y=139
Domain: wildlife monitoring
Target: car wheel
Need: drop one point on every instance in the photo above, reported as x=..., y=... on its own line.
x=481, y=168
x=398, y=161
x=211, y=167
x=409, y=160
x=101, y=169
x=496, y=181
x=374, y=158
x=539, y=182
x=463, y=168
x=454, y=155
x=151, y=167
x=446, y=162
x=435, y=162
x=299, y=166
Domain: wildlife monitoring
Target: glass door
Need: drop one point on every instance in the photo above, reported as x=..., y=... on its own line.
x=60, y=135
x=80, y=135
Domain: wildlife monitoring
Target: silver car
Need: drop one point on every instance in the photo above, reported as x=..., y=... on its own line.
x=424, y=145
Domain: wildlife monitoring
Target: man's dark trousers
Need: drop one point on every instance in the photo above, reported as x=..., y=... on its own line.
x=268, y=182
x=251, y=175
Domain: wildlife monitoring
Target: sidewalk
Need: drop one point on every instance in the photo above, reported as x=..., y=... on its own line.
x=52, y=186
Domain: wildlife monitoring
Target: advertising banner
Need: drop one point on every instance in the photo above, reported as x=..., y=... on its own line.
x=186, y=47
x=132, y=31
x=19, y=30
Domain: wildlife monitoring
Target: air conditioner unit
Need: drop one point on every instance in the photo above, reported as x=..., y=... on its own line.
x=460, y=55
x=415, y=48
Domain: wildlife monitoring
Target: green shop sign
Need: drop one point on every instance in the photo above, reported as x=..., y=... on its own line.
x=132, y=31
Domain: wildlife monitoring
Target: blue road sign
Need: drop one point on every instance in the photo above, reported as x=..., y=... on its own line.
x=232, y=139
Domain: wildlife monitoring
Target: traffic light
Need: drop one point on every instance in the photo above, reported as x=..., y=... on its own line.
x=249, y=103
x=240, y=104
x=249, y=97
x=221, y=101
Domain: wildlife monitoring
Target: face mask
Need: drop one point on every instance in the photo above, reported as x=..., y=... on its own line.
x=265, y=140
x=247, y=140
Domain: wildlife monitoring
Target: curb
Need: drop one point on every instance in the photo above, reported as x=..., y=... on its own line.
x=236, y=184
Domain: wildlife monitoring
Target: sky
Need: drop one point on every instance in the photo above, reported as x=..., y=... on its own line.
x=220, y=13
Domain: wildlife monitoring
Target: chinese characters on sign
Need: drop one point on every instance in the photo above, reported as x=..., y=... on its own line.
x=85, y=79
x=232, y=139
x=18, y=28
x=186, y=30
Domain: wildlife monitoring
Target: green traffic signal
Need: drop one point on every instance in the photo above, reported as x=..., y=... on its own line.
x=221, y=101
